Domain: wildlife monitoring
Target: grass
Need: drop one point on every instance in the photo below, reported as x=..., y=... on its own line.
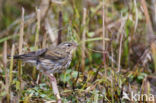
x=109, y=61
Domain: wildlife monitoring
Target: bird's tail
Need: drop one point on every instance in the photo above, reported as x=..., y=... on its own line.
x=17, y=57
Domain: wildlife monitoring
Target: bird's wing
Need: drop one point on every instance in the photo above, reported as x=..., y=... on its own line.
x=41, y=52
x=54, y=54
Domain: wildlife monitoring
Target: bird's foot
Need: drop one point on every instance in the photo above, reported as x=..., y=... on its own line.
x=52, y=78
x=58, y=98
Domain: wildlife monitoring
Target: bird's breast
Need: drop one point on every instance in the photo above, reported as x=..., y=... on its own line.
x=68, y=64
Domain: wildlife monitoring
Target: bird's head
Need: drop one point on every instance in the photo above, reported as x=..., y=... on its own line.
x=68, y=46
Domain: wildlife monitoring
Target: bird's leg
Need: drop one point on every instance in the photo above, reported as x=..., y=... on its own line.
x=38, y=78
x=55, y=88
x=39, y=75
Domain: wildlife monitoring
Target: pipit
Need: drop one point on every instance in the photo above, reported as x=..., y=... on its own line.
x=51, y=60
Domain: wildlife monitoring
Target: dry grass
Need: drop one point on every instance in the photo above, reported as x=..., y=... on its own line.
x=113, y=57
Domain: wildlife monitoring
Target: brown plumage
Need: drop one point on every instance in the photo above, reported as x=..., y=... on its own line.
x=52, y=59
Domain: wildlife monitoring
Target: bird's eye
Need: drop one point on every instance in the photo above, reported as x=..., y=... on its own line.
x=68, y=45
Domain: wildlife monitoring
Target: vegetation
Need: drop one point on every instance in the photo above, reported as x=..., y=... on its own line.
x=116, y=56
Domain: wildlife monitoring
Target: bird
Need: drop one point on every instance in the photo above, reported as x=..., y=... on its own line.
x=49, y=60
x=53, y=59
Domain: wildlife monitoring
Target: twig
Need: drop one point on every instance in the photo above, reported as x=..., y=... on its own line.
x=96, y=74
x=112, y=54
x=37, y=28
x=20, y=52
x=94, y=39
x=5, y=55
x=83, y=40
x=5, y=69
x=8, y=38
x=37, y=36
x=11, y=65
x=103, y=37
x=21, y=33
x=136, y=14
x=150, y=32
x=153, y=49
x=44, y=7
x=121, y=39
x=120, y=48
x=97, y=51
x=112, y=88
x=44, y=39
x=38, y=77
x=59, y=28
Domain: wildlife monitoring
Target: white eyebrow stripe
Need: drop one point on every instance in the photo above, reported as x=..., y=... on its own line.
x=67, y=44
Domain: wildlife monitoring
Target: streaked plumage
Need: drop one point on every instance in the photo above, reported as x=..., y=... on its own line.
x=52, y=59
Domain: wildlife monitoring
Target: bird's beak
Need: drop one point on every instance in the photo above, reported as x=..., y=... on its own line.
x=76, y=45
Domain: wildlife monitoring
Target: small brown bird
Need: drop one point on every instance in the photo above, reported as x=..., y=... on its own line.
x=52, y=59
